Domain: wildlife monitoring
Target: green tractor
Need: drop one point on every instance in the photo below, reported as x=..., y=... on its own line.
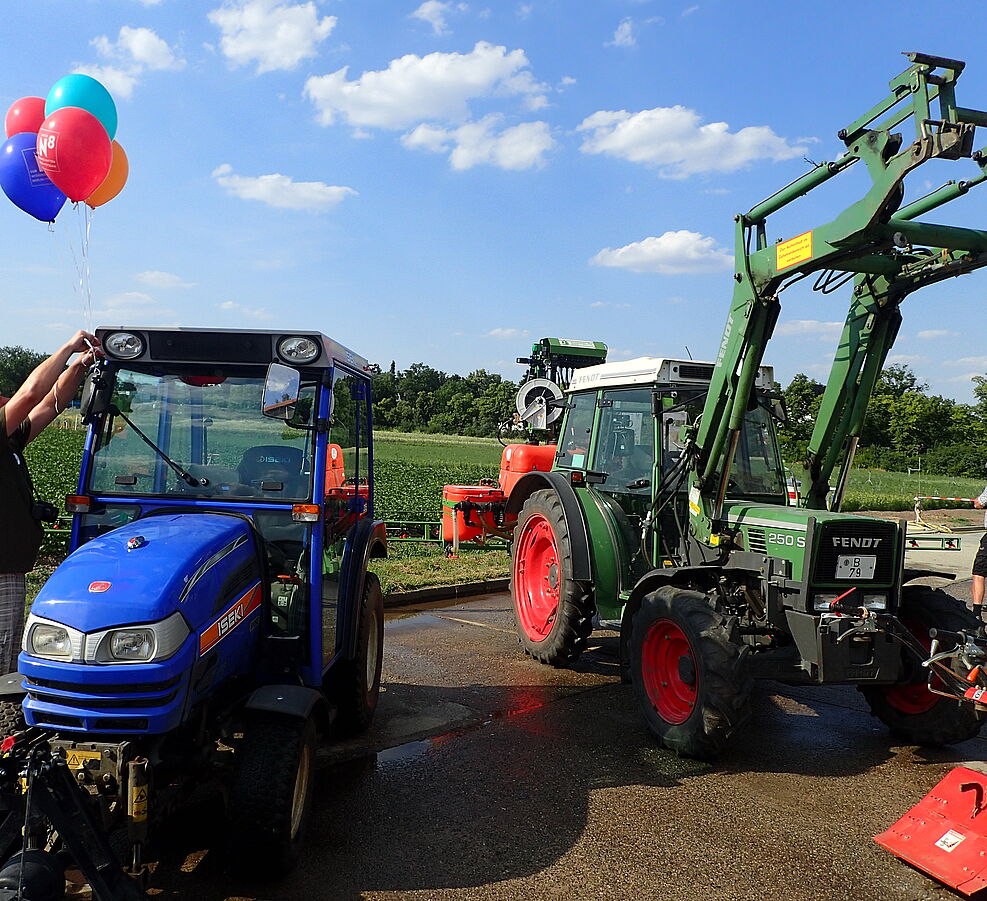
x=666, y=517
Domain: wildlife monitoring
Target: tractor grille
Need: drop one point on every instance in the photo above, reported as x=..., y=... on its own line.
x=70, y=695
x=859, y=532
x=756, y=542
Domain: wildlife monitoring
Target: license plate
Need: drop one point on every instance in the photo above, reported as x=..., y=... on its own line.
x=853, y=566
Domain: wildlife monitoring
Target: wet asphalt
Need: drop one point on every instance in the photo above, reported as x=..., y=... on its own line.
x=489, y=776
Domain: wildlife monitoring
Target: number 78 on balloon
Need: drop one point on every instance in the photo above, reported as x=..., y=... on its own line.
x=62, y=147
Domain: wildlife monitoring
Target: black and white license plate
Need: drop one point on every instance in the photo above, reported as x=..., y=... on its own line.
x=855, y=566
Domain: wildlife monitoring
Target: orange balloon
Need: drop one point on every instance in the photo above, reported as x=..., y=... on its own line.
x=115, y=180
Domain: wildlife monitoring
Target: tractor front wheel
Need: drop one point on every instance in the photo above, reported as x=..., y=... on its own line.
x=271, y=792
x=553, y=613
x=909, y=709
x=692, y=680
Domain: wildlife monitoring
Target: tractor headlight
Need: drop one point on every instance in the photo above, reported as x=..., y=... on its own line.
x=298, y=350
x=138, y=644
x=870, y=600
x=131, y=644
x=124, y=345
x=50, y=641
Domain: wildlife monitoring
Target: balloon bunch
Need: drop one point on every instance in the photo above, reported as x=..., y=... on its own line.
x=62, y=147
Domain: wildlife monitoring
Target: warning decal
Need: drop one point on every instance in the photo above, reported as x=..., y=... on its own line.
x=794, y=250
x=950, y=840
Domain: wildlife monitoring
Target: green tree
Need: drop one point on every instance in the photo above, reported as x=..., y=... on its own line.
x=16, y=364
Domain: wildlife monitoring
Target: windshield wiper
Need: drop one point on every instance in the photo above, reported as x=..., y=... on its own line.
x=185, y=476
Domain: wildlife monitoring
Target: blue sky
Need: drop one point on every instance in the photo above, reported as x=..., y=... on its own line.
x=446, y=181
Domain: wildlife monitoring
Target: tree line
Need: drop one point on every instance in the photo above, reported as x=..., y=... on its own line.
x=904, y=426
x=416, y=399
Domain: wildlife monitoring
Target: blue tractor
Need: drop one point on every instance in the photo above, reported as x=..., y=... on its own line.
x=215, y=616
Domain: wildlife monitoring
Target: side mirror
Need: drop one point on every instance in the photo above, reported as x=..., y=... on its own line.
x=281, y=392
x=96, y=395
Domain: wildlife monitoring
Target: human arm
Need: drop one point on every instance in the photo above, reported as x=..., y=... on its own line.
x=61, y=393
x=980, y=502
x=38, y=385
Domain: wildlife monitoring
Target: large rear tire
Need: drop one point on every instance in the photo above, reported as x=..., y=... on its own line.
x=553, y=613
x=692, y=680
x=271, y=792
x=354, y=685
x=909, y=709
x=11, y=718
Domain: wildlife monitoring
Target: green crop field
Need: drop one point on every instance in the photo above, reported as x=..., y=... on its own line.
x=412, y=468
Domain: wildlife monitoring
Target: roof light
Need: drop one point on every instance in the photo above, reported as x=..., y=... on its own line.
x=124, y=345
x=298, y=350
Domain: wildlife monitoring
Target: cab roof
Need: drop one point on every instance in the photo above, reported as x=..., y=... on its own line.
x=213, y=346
x=653, y=371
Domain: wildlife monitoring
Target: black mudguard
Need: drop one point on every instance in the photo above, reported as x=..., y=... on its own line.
x=582, y=567
x=366, y=540
x=295, y=701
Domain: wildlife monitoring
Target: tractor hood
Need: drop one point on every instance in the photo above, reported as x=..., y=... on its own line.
x=138, y=572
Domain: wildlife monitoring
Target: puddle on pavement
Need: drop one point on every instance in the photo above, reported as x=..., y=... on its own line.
x=413, y=621
x=405, y=753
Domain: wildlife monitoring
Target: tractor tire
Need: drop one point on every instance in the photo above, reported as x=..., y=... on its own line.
x=692, y=680
x=909, y=710
x=354, y=685
x=271, y=792
x=553, y=613
x=11, y=718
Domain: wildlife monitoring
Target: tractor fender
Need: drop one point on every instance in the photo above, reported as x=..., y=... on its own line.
x=367, y=540
x=582, y=568
x=293, y=701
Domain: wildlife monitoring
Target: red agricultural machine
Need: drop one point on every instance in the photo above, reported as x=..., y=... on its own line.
x=477, y=513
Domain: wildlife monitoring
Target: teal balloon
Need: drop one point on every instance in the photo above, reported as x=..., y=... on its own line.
x=87, y=93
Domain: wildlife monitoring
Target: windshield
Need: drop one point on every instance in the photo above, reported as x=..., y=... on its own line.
x=212, y=427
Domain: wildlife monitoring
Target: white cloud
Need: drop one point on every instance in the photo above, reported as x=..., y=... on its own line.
x=966, y=377
x=909, y=359
x=415, y=89
x=524, y=10
x=118, y=82
x=479, y=143
x=134, y=52
x=689, y=10
x=811, y=327
x=280, y=190
x=434, y=12
x=506, y=333
x=127, y=299
x=977, y=362
x=270, y=33
x=139, y=47
x=149, y=2
x=624, y=35
x=155, y=279
x=673, y=253
x=674, y=139
x=932, y=333
x=231, y=306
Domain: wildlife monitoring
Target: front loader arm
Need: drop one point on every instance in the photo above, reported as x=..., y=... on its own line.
x=872, y=242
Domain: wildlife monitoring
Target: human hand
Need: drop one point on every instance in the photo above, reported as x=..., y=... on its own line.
x=977, y=505
x=81, y=341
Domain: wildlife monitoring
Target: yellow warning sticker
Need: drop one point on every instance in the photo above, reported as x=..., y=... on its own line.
x=794, y=250
x=77, y=759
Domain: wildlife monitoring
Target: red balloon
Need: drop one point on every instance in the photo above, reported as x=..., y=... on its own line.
x=74, y=151
x=25, y=114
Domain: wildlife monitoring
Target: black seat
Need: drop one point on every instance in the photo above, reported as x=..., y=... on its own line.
x=270, y=462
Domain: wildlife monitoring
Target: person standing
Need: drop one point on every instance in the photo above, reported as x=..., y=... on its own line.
x=23, y=416
x=979, y=573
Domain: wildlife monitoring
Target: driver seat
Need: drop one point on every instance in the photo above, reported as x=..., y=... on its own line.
x=257, y=461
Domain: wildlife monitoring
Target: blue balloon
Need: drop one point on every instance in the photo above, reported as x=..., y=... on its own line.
x=25, y=182
x=86, y=93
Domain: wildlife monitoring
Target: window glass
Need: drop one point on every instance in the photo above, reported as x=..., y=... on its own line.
x=625, y=450
x=757, y=466
x=574, y=443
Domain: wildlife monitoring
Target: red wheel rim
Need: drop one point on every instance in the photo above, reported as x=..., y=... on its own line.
x=914, y=698
x=669, y=671
x=537, y=578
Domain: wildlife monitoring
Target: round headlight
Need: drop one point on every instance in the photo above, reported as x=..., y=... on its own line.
x=298, y=350
x=123, y=345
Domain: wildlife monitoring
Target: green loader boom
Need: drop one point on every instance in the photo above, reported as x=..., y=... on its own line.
x=878, y=244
